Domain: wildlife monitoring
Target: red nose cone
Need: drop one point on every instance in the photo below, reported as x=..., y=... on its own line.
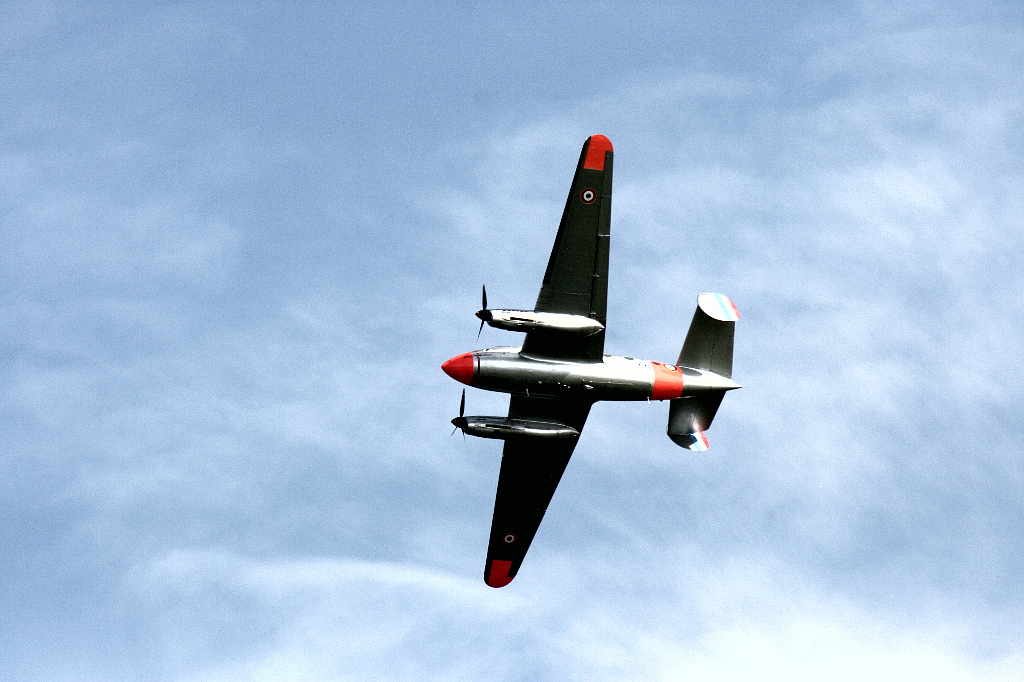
x=460, y=368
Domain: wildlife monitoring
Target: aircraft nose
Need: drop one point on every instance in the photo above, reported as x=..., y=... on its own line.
x=461, y=368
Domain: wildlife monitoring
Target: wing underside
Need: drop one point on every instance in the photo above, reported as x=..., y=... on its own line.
x=530, y=471
x=576, y=279
x=575, y=283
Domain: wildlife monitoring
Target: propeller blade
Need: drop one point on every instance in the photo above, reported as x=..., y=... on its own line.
x=462, y=411
x=482, y=313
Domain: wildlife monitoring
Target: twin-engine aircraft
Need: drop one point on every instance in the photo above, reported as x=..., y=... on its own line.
x=561, y=369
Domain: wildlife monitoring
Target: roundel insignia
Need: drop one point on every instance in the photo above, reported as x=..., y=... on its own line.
x=588, y=196
x=509, y=538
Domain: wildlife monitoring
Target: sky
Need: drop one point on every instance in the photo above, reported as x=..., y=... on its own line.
x=237, y=241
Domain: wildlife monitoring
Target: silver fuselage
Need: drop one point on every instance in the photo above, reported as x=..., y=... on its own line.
x=615, y=377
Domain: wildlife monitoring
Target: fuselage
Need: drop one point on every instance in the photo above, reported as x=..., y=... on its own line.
x=614, y=377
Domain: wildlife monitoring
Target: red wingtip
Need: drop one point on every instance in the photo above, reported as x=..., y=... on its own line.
x=497, y=576
x=461, y=368
x=599, y=144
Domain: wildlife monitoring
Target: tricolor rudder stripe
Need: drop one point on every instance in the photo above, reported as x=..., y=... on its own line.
x=699, y=442
x=719, y=307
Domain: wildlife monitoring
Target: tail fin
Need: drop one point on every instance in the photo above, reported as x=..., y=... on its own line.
x=689, y=416
x=708, y=344
x=708, y=347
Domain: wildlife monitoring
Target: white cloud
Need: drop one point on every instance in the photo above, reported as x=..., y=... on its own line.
x=349, y=619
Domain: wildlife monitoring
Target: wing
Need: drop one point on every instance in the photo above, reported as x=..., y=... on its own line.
x=530, y=471
x=576, y=280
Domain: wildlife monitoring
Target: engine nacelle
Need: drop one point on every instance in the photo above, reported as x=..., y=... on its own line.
x=503, y=427
x=525, y=320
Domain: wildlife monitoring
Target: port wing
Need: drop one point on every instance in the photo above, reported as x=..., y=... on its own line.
x=576, y=279
x=530, y=471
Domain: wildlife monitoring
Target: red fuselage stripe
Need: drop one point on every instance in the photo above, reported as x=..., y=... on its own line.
x=668, y=383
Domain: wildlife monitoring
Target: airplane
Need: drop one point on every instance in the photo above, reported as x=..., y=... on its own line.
x=561, y=369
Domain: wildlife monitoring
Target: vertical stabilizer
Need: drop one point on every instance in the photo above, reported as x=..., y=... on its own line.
x=708, y=344
x=708, y=347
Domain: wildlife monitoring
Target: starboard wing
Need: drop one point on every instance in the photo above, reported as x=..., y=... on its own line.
x=576, y=279
x=530, y=471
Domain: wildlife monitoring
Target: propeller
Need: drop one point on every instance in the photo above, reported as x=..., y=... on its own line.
x=484, y=314
x=460, y=421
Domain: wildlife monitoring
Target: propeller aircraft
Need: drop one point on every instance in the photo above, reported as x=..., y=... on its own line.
x=561, y=369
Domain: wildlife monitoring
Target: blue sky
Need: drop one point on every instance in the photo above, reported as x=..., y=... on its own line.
x=238, y=240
